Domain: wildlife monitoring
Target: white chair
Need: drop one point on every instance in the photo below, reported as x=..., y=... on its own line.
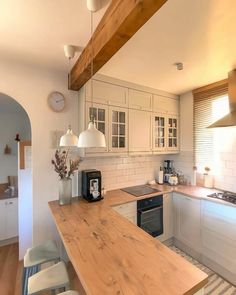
x=35, y=257
x=69, y=293
x=41, y=254
x=52, y=278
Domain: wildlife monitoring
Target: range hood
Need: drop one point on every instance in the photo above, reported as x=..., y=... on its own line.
x=230, y=119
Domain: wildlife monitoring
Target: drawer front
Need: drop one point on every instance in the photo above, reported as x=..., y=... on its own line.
x=219, y=249
x=220, y=219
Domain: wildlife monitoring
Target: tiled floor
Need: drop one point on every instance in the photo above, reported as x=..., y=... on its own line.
x=216, y=285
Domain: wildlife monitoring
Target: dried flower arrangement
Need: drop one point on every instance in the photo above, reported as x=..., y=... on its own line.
x=60, y=164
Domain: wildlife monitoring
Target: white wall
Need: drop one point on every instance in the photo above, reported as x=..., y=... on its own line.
x=11, y=123
x=184, y=160
x=30, y=87
x=186, y=122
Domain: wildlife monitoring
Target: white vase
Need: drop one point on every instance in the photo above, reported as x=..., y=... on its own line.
x=65, y=191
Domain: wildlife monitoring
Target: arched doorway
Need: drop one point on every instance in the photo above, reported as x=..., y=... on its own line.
x=15, y=174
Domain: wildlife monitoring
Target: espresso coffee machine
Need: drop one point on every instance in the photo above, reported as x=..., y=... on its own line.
x=168, y=170
x=91, y=185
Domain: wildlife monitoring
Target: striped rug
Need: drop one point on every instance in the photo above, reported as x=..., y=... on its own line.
x=216, y=284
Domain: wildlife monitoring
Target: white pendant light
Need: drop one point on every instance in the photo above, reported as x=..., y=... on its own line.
x=69, y=139
x=92, y=137
x=93, y=5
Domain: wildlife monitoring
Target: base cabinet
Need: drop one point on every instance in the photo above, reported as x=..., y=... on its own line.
x=219, y=237
x=167, y=218
x=128, y=210
x=187, y=221
x=8, y=218
x=207, y=231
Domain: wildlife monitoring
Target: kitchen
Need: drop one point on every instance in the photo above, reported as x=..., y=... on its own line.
x=137, y=163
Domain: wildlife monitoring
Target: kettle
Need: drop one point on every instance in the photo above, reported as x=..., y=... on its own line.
x=173, y=180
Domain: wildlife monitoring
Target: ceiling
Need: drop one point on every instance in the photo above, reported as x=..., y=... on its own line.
x=35, y=31
x=201, y=34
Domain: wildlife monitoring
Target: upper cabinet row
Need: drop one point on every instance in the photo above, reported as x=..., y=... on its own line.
x=132, y=121
x=110, y=94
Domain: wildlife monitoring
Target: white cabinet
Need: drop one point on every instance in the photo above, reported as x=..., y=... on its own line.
x=2, y=220
x=113, y=122
x=172, y=133
x=11, y=218
x=100, y=114
x=159, y=132
x=133, y=121
x=219, y=235
x=165, y=105
x=165, y=133
x=107, y=93
x=167, y=218
x=8, y=218
x=140, y=100
x=118, y=130
x=140, y=136
x=128, y=210
x=187, y=221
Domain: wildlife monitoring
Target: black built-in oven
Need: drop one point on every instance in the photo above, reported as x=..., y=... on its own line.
x=150, y=215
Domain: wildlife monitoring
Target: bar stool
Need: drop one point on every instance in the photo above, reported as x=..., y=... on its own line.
x=52, y=278
x=35, y=257
x=69, y=293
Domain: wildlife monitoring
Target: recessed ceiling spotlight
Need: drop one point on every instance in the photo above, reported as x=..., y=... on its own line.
x=179, y=66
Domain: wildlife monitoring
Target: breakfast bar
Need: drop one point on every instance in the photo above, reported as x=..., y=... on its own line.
x=113, y=256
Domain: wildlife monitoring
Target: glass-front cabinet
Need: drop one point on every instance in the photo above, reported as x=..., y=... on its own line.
x=165, y=133
x=118, y=118
x=99, y=113
x=172, y=142
x=159, y=129
x=113, y=123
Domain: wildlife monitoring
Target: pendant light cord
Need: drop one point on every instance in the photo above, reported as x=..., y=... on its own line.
x=91, y=67
x=69, y=73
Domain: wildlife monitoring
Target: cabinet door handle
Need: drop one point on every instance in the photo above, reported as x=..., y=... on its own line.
x=8, y=203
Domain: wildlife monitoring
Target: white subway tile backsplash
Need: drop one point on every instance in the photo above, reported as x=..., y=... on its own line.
x=118, y=172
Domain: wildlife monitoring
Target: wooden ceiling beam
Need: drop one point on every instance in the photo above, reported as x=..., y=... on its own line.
x=120, y=22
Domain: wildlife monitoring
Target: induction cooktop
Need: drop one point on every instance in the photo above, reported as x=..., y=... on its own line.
x=140, y=190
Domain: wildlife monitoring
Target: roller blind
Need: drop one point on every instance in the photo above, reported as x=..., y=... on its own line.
x=210, y=104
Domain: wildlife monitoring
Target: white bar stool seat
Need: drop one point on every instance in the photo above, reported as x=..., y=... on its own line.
x=51, y=278
x=41, y=254
x=69, y=293
x=35, y=257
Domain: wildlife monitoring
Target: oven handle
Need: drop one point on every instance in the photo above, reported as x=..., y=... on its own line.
x=150, y=210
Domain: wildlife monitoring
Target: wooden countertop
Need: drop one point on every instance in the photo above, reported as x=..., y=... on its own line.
x=5, y=196
x=113, y=256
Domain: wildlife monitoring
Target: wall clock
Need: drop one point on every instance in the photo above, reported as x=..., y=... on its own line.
x=56, y=101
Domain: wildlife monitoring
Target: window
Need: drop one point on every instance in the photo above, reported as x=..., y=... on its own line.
x=210, y=104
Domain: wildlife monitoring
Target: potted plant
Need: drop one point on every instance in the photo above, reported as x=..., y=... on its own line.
x=65, y=168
